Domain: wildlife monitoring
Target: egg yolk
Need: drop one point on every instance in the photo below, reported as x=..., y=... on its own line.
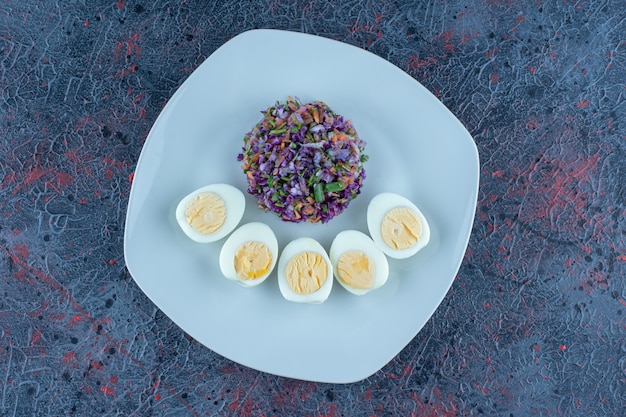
x=400, y=228
x=356, y=270
x=252, y=260
x=306, y=272
x=206, y=213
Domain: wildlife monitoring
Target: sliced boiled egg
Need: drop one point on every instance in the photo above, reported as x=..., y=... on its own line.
x=305, y=274
x=211, y=212
x=249, y=254
x=396, y=225
x=358, y=264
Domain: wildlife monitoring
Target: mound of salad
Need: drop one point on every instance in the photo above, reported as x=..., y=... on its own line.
x=303, y=162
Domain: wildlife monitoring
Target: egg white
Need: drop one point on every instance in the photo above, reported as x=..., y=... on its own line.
x=234, y=202
x=257, y=232
x=350, y=240
x=376, y=210
x=293, y=248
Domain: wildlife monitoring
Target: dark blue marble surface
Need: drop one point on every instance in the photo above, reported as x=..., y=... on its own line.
x=534, y=324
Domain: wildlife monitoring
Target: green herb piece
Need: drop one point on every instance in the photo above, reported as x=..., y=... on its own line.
x=318, y=192
x=312, y=180
x=331, y=187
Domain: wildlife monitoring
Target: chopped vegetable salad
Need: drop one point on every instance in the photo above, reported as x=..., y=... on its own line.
x=303, y=162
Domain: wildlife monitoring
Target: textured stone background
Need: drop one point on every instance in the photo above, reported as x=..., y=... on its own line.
x=534, y=323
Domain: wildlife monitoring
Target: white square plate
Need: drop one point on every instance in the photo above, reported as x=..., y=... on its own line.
x=417, y=148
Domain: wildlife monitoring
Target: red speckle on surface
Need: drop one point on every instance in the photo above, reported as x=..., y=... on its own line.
x=72, y=156
x=407, y=370
x=367, y=394
x=67, y=357
x=118, y=50
x=332, y=412
x=83, y=121
x=519, y=19
x=494, y=78
x=34, y=174
x=21, y=275
x=229, y=370
x=417, y=64
x=532, y=124
x=235, y=405
x=562, y=347
x=21, y=251
x=10, y=178
x=466, y=38
x=125, y=72
x=131, y=48
x=120, y=4
x=107, y=390
x=57, y=317
x=35, y=337
x=582, y=104
x=440, y=408
x=113, y=163
x=139, y=97
x=75, y=319
x=447, y=40
x=63, y=179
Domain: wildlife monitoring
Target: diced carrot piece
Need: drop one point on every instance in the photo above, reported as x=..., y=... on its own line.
x=316, y=115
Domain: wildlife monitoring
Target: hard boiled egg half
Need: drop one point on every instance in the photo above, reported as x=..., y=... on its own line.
x=396, y=225
x=211, y=212
x=249, y=254
x=358, y=264
x=305, y=274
